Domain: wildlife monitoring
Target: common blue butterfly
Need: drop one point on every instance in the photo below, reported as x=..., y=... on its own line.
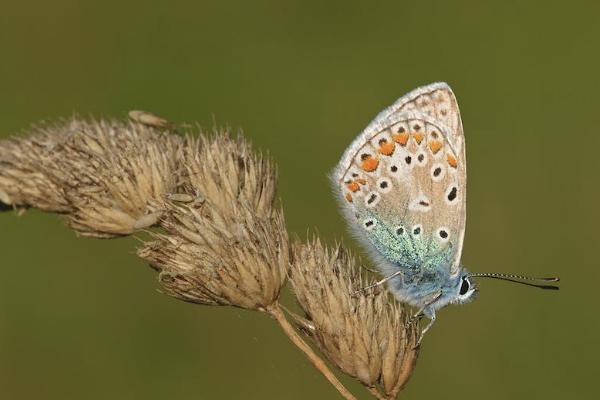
x=402, y=187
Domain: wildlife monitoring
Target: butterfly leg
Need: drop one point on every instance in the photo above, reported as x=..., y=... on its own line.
x=418, y=315
x=422, y=311
x=378, y=283
x=429, y=312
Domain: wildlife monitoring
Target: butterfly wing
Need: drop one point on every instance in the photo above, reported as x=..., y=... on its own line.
x=402, y=182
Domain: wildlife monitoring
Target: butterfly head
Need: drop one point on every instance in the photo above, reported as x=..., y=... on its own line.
x=464, y=288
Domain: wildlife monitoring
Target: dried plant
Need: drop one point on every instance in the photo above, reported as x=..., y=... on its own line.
x=115, y=173
x=221, y=237
x=26, y=164
x=102, y=174
x=368, y=336
x=228, y=244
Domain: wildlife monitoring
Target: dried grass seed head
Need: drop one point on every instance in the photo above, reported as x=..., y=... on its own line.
x=116, y=174
x=365, y=334
x=106, y=175
x=227, y=171
x=229, y=246
x=26, y=166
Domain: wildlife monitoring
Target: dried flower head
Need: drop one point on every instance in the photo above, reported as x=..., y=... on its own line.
x=226, y=172
x=228, y=246
x=366, y=335
x=25, y=166
x=107, y=175
x=116, y=173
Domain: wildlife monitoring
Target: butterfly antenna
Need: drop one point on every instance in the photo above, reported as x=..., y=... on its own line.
x=523, y=280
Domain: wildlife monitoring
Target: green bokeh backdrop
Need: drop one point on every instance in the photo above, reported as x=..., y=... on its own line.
x=81, y=319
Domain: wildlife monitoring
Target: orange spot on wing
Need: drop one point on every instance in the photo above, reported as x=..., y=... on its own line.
x=387, y=148
x=349, y=197
x=451, y=160
x=418, y=137
x=370, y=164
x=353, y=186
x=401, y=138
x=435, y=146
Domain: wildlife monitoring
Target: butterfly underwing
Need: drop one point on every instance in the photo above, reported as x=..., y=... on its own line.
x=402, y=189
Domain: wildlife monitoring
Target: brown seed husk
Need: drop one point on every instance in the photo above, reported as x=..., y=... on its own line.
x=365, y=334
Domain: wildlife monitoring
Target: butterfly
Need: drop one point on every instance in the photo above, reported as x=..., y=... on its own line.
x=402, y=186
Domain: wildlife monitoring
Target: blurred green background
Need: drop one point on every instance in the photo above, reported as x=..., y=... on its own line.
x=81, y=319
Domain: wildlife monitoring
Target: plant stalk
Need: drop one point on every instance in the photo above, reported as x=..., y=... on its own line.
x=275, y=311
x=376, y=393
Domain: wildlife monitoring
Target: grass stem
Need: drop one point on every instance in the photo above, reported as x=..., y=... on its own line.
x=275, y=311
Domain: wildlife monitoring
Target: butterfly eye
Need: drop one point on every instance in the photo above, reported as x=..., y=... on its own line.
x=464, y=287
